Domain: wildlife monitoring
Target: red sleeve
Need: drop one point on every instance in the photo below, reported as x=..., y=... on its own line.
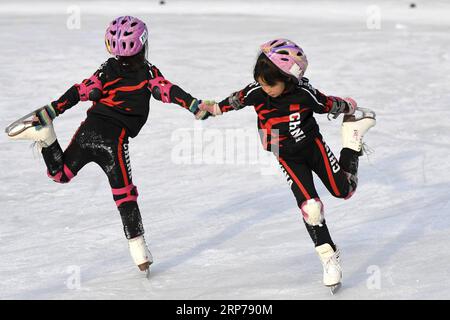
x=167, y=92
x=72, y=96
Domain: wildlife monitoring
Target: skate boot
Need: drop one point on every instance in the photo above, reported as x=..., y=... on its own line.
x=353, y=129
x=44, y=136
x=32, y=130
x=332, y=272
x=140, y=253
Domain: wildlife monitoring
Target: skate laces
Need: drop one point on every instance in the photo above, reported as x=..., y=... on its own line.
x=36, y=149
x=333, y=261
x=366, y=149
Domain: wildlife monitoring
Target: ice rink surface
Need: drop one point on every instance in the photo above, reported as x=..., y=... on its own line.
x=221, y=230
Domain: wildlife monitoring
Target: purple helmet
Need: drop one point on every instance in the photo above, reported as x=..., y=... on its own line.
x=287, y=56
x=126, y=36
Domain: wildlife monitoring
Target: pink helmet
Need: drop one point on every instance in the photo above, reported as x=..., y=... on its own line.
x=126, y=36
x=287, y=56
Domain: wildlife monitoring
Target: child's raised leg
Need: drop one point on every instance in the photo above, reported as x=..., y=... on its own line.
x=341, y=177
x=338, y=176
x=61, y=166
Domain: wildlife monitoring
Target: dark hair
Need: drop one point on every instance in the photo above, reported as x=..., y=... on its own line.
x=133, y=63
x=267, y=71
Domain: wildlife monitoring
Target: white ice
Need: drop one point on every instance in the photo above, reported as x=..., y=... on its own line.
x=228, y=231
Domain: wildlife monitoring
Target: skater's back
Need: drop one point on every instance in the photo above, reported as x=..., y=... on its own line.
x=120, y=90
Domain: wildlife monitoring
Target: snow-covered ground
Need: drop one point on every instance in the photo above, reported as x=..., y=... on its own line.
x=231, y=230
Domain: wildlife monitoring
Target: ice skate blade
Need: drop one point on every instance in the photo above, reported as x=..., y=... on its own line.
x=14, y=129
x=366, y=113
x=21, y=121
x=335, y=288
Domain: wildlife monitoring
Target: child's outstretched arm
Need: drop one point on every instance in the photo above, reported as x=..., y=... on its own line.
x=88, y=89
x=250, y=95
x=167, y=92
x=321, y=103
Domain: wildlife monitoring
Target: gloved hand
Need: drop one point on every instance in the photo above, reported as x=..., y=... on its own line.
x=347, y=106
x=199, y=114
x=211, y=106
x=202, y=115
x=90, y=89
x=351, y=103
x=46, y=115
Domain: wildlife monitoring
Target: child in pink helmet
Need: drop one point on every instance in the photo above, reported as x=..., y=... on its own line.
x=120, y=90
x=285, y=103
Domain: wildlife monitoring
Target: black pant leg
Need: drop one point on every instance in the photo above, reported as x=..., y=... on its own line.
x=329, y=170
x=113, y=157
x=63, y=166
x=300, y=179
x=349, y=161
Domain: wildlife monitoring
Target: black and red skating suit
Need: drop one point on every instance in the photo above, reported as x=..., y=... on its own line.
x=285, y=122
x=126, y=95
x=103, y=137
x=287, y=128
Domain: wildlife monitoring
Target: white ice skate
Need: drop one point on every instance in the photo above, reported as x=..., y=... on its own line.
x=354, y=128
x=29, y=128
x=332, y=272
x=140, y=254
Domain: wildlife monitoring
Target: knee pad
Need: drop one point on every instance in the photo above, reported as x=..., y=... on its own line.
x=62, y=176
x=125, y=194
x=312, y=211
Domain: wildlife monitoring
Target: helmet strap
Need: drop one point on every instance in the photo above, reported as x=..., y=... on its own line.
x=146, y=50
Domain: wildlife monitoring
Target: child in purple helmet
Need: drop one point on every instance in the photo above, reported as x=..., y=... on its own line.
x=285, y=102
x=120, y=90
